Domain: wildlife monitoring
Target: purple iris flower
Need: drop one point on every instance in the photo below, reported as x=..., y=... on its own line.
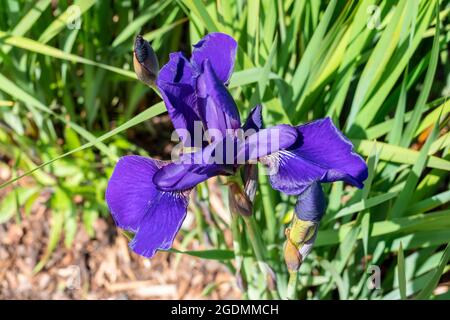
x=150, y=197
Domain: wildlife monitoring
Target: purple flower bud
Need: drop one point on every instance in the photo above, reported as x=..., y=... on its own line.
x=145, y=61
x=311, y=203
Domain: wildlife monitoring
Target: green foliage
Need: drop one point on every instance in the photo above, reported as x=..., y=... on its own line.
x=70, y=105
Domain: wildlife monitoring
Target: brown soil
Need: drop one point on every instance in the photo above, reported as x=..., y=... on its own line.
x=100, y=268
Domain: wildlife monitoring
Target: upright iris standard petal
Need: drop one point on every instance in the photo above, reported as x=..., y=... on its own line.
x=161, y=223
x=216, y=105
x=254, y=120
x=220, y=50
x=175, y=83
x=311, y=203
x=130, y=190
x=177, y=70
x=321, y=153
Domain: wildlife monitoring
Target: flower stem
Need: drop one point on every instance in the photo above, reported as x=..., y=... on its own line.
x=241, y=205
x=292, y=285
x=199, y=224
x=259, y=249
x=237, y=248
x=268, y=201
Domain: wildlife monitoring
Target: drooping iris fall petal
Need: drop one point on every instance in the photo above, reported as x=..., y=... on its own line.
x=321, y=153
x=130, y=189
x=161, y=223
x=138, y=206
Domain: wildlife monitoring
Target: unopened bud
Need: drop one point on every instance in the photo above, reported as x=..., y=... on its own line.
x=145, y=61
x=239, y=201
x=300, y=240
x=311, y=203
x=251, y=180
x=292, y=257
x=301, y=236
x=271, y=278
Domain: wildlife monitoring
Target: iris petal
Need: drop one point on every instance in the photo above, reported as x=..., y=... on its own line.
x=216, y=105
x=267, y=141
x=220, y=50
x=130, y=190
x=175, y=84
x=180, y=176
x=322, y=154
x=177, y=70
x=138, y=206
x=161, y=223
x=178, y=81
x=191, y=169
x=311, y=203
x=254, y=119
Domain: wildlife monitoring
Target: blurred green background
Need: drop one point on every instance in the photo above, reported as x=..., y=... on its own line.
x=70, y=105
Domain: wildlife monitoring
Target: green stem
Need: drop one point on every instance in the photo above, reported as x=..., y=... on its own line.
x=255, y=239
x=259, y=249
x=237, y=248
x=268, y=201
x=292, y=285
x=199, y=224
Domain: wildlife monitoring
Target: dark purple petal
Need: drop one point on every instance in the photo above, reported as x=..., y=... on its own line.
x=180, y=176
x=254, y=119
x=311, y=203
x=324, y=144
x=220, y=50
x=175, y=84
x=267, y=141
x=322, y=154
x=138, y=206
x=190, y=170
x=180, y=101
x=177, y=70
x=161, y=223
x=216, y=105
x=130, y=189
x=289, y=173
